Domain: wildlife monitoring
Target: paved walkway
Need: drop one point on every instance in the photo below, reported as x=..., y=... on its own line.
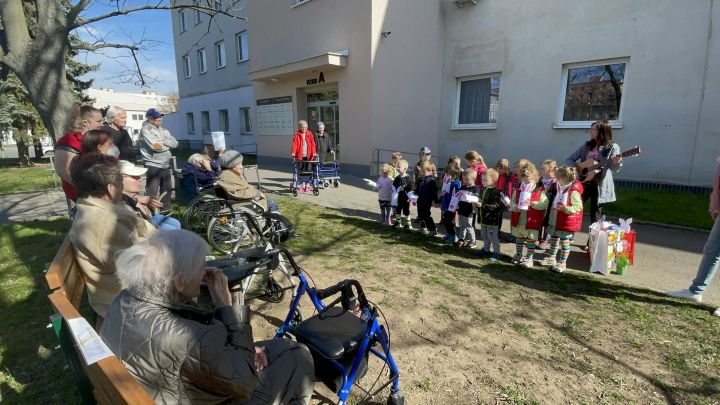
x=665, y=258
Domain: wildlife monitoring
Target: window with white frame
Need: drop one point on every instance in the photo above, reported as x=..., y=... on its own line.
x=186, y=65
x=241, y=42
x=205, y=121
x=478, y=102
x=198, y=17
x=183, y=21
x=190, y=122
x=220, y=54
x=592, y=91
x=218, y=6
x=202, y=60
x=245, y=124
x=224, y=120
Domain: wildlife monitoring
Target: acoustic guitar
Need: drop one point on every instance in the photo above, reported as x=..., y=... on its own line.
x=587, y=169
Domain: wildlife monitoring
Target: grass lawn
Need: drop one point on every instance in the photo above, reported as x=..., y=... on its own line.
x=665, y=207
x=463, y=330
x=14, y=179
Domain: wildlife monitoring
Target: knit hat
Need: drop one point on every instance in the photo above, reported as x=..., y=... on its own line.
x=230, y=159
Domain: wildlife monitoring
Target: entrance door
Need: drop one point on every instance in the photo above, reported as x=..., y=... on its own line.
x=323, y=106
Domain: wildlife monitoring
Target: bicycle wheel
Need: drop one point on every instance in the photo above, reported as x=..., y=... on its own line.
x=227, y=234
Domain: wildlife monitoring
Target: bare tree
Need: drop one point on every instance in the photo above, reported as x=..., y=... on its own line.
x=170, y=103
x=35, y=39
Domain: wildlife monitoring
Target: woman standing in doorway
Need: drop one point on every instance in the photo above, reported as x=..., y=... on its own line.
x=303, y=145
x=600, y=189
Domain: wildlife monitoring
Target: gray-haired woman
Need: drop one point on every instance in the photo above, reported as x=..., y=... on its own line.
x=183, y=355
x=323, y=143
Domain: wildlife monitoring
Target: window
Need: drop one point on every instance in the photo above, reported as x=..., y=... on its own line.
x=241, y=41
x=202, y=61
x=205, y=118
x=183, y=22
x=220, y=54
x=477, y=102
x=591, y=92
x=218, y=6
x=224, y=120
x=137, y=117
x=190, y=122
x=186, y=65
x=198, y=17
x=245, y=125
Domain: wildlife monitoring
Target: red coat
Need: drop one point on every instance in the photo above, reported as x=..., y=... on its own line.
x=570, y=222
x=297, y=145
x=534, y=217
x=71, y=142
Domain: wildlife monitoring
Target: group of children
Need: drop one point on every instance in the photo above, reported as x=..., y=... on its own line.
x=545, y=206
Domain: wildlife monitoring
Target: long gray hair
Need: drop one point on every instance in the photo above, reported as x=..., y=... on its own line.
x=149, y=268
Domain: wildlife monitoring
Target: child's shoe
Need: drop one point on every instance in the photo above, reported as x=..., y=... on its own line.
x=495, y=257
x=544, y=245
x=527, y=263
x=408, y=226
x=549, y=261
x=449, y=239
x=460, y=243
x=470, y=245
x=517, y=258
x=559, y=267
x=482, y=253
x=424, y=231
x=433, y=233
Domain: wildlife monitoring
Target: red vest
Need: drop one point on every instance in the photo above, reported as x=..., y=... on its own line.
x=534, y=217
x=71, y=141
x=570, y=222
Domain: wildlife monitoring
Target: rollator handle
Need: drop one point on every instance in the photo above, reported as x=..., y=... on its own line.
x=348, y=297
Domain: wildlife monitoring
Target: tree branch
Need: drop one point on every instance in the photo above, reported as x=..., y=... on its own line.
x=75, y=11
x=15, y=28
x=80, y=23
x=101, y=45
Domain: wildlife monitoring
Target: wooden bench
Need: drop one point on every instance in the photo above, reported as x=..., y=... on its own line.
x=106, y=381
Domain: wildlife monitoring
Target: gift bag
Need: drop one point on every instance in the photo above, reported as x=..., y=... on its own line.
x=446, y=184
x=394, y=197
x=525, y=195
x=603, y=247
x=456, y=198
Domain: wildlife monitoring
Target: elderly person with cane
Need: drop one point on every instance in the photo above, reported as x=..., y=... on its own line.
x=181, y=354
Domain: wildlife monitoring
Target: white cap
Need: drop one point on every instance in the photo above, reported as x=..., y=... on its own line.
x=130, y=169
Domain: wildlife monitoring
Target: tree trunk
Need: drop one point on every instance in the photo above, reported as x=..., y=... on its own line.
x=37, y=145
x=23, y=154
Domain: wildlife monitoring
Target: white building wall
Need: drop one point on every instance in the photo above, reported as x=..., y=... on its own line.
x=528, y=42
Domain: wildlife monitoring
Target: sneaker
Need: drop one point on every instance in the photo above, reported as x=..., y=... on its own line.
x=685, y=294
x=549, y=261
x=495, y=257
x=482, y=253
x=559, y=267
x=433, y=233
x=527, y=263
x=449, y=239
x=544, y=245
x=470, y=245
x=717, y=312
x=517, y=258
x=424, y=231
x=460, y=243
x=408, y=226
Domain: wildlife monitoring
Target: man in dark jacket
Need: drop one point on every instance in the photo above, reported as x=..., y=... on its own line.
x=116, y=119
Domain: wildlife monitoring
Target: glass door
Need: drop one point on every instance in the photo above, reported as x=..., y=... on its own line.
x=323, y=106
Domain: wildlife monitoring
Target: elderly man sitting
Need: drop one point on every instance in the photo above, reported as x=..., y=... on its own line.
x=233, y=181
x=183, y=355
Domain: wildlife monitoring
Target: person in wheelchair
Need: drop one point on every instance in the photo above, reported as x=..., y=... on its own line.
x=197, y=172
x=181, y=354
x=232, y=182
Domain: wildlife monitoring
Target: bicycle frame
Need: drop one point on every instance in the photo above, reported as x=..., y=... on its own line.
x=374, y=331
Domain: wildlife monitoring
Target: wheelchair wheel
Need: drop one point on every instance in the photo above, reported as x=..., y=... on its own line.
x=226, y=234
x=274, y=290
x=336, y=183
x=316, y=191
x=198, y=213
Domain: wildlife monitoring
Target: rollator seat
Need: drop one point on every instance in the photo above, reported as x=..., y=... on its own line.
x=332, y=333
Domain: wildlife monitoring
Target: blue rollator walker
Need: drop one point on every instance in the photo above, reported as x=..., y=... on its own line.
x=306, y=175
x=329, y=173
x=341, y=338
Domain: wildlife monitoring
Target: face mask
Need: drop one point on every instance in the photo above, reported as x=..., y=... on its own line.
x=114, y=152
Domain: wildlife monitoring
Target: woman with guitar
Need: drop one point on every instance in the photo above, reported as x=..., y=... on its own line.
x=601, y=156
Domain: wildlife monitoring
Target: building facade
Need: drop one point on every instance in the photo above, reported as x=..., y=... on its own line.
x=212, y=61
x=135, y=105
x=510, y=79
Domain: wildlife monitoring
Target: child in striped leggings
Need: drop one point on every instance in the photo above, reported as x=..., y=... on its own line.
x=566, y=215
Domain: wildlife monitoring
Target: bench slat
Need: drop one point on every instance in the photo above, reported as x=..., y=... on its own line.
x=62, y=263
x=112, y=382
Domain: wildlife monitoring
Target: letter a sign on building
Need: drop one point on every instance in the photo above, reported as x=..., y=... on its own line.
x=320, y=79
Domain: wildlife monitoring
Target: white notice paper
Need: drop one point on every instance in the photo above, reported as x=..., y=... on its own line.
x=91, y=346
x=218, y=139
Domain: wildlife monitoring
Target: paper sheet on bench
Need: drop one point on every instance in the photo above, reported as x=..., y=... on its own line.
x=91, y=346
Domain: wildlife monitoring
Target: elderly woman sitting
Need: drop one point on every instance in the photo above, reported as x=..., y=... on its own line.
x=233, y=181
x=183, y=355
x=198, y=171
x=101, y=226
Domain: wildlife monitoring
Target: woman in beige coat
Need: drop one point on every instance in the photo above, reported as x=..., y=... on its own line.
x=233, y=181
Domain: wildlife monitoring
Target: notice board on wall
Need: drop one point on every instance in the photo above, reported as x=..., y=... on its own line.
x=275, y=116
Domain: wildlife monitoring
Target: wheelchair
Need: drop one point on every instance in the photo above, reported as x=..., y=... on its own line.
x=341, y=339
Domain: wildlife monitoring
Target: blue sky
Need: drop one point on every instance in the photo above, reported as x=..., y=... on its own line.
x=158, y=62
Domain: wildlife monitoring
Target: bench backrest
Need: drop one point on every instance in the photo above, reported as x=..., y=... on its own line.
x=104, y=382
x=111, y=382
x=64, y=274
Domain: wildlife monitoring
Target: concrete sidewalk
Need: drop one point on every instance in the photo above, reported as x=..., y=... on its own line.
x=665, y=258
